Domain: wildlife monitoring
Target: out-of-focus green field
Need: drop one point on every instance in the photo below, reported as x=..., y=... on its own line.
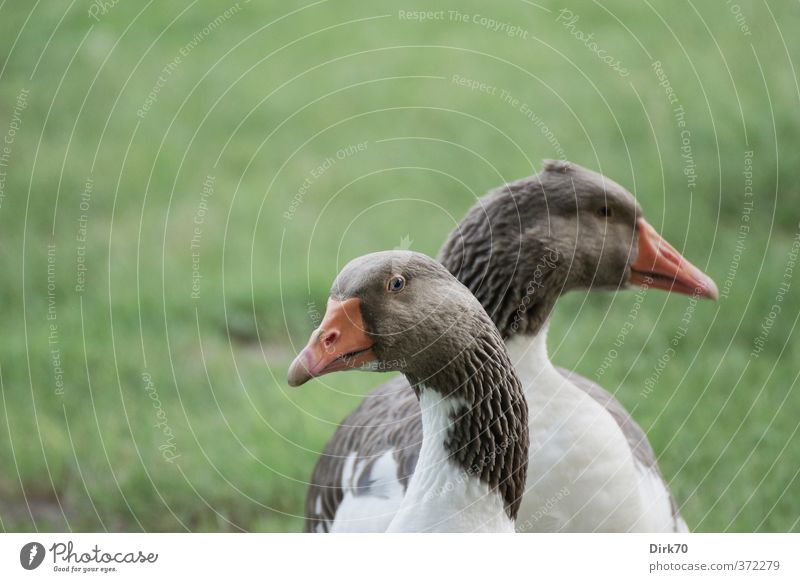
x=264, y=108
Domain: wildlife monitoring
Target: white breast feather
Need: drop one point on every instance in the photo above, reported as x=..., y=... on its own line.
x=582, y=474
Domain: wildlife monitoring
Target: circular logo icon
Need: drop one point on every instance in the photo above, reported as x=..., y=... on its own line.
x=31, y=555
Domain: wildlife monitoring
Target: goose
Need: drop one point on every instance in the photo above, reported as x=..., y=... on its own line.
x=518, y=249
x=403, y=311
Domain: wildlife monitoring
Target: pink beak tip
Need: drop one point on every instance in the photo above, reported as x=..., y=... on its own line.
x=705, y=284
x=299, y=371
x=710, y=288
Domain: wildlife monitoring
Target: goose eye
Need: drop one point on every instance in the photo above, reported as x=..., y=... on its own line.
x=396, y=284
x=604, y=211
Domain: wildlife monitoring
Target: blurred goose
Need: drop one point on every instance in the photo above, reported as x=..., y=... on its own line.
x=405, y=312
x=518, y=249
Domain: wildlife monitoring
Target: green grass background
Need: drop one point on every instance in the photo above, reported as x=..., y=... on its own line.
x=263, y=99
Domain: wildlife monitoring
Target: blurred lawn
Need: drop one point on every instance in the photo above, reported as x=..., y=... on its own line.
x=256, y=103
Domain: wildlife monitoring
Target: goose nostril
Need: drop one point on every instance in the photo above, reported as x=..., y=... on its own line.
x=329, y=339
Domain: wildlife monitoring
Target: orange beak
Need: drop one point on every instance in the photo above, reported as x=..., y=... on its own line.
x=659, y=265
x=339, y=343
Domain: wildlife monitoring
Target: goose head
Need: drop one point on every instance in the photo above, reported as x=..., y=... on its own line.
x=566, y=228
x=392, y=311
x=403, y=311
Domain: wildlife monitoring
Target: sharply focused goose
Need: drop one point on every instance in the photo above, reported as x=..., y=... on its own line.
x=518, y=249
x=405, y=312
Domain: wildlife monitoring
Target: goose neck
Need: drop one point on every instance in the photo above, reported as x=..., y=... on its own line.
x=473, y=459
